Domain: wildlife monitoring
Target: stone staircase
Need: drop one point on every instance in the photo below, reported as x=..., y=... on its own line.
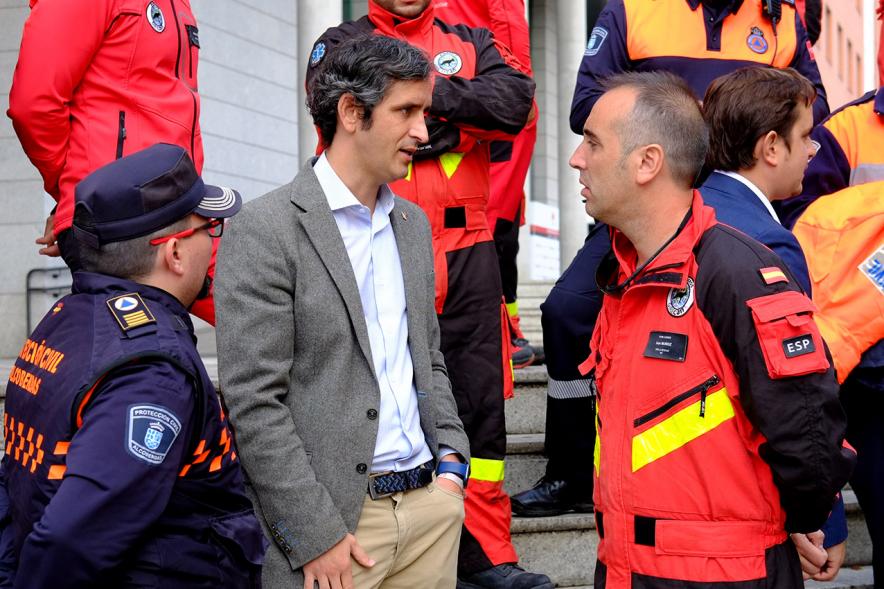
x=564, y=547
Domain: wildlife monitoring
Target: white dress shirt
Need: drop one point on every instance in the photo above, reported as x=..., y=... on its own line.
x=751, y=186
x=371, y=246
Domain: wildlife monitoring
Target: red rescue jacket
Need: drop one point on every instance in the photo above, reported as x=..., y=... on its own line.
x=719, y=427
x=99, y=80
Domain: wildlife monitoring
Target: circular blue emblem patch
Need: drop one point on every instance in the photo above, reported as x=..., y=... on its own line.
x=318, y=53
x=448, y=63
x=756, y=41
x=155, y=17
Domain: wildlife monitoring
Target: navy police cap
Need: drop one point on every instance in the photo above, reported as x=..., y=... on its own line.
x=144, y=192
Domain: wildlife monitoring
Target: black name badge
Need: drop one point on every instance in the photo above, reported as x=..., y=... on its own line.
x=798, y=346
x=667, y=346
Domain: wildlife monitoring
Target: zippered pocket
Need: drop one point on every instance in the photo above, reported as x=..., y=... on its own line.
x=121, y=134
x=701, y=389
x=679, y=421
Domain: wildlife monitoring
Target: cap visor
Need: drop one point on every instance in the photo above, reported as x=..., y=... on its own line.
x=219, y=202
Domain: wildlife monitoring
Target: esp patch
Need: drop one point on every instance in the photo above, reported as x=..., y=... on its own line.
x=130, y=311
x=151, y=430
x=798, y=346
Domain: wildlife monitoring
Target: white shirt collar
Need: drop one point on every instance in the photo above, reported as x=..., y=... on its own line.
x=338, y=195
x=751, y=186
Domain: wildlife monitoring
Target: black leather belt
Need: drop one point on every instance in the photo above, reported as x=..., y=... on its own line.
x=384, y=484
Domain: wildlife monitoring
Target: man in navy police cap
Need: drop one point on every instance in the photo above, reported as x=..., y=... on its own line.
x=120, y=465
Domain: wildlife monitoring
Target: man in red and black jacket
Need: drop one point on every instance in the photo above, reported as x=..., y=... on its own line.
x=510, y=159
x=96, y=81
x=477, y=98
x=720, y=439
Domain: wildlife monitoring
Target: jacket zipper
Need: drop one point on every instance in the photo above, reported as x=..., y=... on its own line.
x=702, y=389
x=121, y=134
x=178, y=32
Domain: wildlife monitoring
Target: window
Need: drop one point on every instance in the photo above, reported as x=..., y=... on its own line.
x=851, y=78
x=840, y=43
x=859, y=74
x=827, y=36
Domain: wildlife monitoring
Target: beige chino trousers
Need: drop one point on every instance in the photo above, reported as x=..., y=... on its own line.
x=413, y=538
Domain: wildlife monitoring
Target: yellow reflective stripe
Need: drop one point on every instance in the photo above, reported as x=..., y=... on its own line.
x=597, y=451
x=450, y=162
x=408, y=175
x=683, y=427
x=512, y=309
x=483, y=469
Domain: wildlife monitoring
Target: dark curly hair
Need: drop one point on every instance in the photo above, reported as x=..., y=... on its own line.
x=364, y=67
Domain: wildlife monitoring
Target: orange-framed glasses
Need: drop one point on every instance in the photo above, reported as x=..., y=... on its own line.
x=215, y=227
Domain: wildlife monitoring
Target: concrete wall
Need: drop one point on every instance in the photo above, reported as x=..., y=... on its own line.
x=23, y=205
x=248, y=78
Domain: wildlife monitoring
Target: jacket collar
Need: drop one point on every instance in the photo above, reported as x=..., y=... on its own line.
x=668, y=268
x=391, y=25
x=879, y=101
x=733, y=188
x=102, y=284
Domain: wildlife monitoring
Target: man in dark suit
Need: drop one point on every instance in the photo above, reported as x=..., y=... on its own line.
x=760, y=124
x=759, y=147
x=328, y=345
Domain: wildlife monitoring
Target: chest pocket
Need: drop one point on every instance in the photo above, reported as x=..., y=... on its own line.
x=789, y=338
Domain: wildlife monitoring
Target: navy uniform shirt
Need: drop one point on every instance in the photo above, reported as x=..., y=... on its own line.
x=120, y=465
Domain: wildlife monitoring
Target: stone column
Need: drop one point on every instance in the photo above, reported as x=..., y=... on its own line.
x=573, y=220
x=314, y=17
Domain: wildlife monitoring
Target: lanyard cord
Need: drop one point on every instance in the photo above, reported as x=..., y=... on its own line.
x=616, y=288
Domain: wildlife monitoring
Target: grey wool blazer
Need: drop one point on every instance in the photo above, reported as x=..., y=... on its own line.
x=296, y=372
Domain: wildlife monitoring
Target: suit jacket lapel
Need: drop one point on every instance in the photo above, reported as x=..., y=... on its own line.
x=321, y=229
x=409, y=247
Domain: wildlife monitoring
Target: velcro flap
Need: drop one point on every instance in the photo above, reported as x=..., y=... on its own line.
x=713, y=539
x=779, y=305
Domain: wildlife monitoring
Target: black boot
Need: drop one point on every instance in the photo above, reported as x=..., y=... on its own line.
x=505, y=576
x=551, y=497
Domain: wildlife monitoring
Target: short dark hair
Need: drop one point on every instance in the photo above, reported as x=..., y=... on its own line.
x=666, y=112
x=744, y=105
x=129, y=259
x=364, y=67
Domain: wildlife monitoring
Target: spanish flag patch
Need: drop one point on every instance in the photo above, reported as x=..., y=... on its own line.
x=772, y=275
x=130, y=311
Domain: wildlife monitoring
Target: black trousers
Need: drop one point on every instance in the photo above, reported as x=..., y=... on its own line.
x=506, y=243
x=862, y=396
x=568, y=318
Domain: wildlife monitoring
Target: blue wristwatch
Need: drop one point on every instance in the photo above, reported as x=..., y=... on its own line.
x=457, y=468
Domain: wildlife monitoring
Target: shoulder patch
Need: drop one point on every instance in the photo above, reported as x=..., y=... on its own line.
x=873, y=269
x=679, y=301
x=130, y=311
x=319, y=51
x=596, y=40
x=772, y=275
x=150, y=432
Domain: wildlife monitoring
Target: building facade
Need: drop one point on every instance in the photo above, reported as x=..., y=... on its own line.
x=256, y=130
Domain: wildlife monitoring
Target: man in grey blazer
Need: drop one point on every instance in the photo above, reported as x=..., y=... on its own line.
x=328, y=346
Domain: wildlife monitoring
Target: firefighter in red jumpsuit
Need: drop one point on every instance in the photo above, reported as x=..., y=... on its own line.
x=719, y=431
x=510, y=159
x=478, y=97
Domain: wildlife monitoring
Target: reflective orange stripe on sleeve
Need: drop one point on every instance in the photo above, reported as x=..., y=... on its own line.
x=56, y=471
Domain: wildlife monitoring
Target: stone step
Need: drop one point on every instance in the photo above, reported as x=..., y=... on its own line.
x=564, y=547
